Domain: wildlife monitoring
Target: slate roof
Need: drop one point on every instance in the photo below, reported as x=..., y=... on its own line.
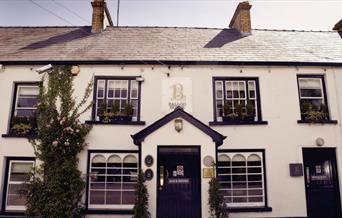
x=168, y=44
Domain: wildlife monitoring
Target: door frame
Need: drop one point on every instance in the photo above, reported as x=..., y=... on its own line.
x=332, y=151
x=158, y=173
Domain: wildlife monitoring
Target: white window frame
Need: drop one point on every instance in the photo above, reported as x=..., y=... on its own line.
x=245, y=155
x=321, y=87
x=106, y=97
x=9, y=207
x=107, y=155
x=18, y=87
x=223, y=82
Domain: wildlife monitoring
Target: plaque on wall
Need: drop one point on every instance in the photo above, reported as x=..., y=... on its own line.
x=208, y=172
x=148, y=174
x=296, y=169
x=149, y=160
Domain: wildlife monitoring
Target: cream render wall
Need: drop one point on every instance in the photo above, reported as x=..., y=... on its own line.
x=282, y=138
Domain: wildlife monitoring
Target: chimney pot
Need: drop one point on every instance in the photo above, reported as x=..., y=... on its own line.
x=241, y=19
x=338, y=26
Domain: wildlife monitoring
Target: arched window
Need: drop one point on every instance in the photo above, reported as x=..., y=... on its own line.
x=241, y=177
x=112, y=180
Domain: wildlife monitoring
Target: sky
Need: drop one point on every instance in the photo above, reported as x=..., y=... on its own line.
x=265, y=14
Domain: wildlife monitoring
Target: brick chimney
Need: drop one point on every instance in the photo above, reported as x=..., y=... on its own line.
x=101, y=16
x=338, y=26
x=242, y=18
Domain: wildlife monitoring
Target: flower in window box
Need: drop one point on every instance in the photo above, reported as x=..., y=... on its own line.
x=312, y=113
x=23, y=126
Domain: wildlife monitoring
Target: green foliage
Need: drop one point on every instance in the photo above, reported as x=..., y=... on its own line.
x=102, y=109
x=227, y=109
x=217, y=206
x=56, y=187
x=250, y=110
x=129, y=109
x=116, y=108
x=313, y=113
x=140, y=209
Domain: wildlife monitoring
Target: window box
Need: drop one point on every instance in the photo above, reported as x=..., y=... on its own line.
x=112, y=119
x=116, y=100
x=313, y=99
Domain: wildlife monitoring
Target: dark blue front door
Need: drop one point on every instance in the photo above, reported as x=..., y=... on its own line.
x=179, y=182
x=321, y=181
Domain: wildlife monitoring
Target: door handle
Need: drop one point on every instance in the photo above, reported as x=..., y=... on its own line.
x=161, y=177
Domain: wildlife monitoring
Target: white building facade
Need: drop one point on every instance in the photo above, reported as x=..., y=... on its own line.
x=273, y=157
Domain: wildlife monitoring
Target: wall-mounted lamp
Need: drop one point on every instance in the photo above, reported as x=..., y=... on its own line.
x=319, y=141
x=75, y=70
x=178, y=124
x=140, y=79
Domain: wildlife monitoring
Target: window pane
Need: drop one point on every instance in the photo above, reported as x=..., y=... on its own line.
x=128, y=197
x=19, y=171
x=31, y=91
x=113, y=197
x=97, y=197
x=16, y=200
x=27, y=102
x=310, y=83
x=311, y=92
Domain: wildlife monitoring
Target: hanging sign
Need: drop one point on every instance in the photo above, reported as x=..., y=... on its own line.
x=177, y=92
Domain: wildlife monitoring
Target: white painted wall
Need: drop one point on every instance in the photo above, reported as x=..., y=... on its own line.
x=282, y=139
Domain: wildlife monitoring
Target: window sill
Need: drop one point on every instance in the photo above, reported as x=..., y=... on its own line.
x=251, y=209
x=318, y=122
x=12, y=214
x=108, y=211
x=117, y=122
x=11, y=135
x=237, y=122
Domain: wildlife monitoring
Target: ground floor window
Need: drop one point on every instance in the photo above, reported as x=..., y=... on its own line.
x=17, y=176
x=242, y=178
x=112, y=177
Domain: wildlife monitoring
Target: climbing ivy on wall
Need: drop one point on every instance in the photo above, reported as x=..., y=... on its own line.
x=57, y=186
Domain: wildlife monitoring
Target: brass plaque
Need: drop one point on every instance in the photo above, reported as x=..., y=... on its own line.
x=208, y=172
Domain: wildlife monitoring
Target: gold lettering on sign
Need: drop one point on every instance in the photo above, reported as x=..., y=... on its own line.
x=177, y=92
x=178, y=98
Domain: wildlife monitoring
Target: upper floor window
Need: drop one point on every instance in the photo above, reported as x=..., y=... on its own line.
x=112, y=177
x=241, y=176
x=23, y=118
x=312, y=97
x=117, y=99
x=236, y=99
x=17, y=176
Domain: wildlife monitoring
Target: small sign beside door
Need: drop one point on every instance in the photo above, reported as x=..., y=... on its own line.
x=208, y=172
x=296, y=169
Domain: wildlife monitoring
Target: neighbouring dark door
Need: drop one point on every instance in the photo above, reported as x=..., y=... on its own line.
x=321, y=181
x=179, y=182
